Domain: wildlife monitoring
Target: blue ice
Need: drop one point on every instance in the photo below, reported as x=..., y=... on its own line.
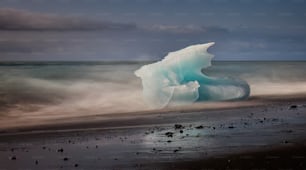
x=178, y=80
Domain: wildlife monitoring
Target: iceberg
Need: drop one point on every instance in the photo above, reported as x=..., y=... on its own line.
x=178, y=80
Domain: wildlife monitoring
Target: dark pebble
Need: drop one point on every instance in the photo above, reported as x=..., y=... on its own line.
x=178, y=126
x=293, y=107
x=76, y=165
x=199, y=127
x=36, y=162
x=66, y=159
x=231, y=127
x=60, y=150
x=169, y=141
x=169, y=134
x=181, y=131
x=13, y=158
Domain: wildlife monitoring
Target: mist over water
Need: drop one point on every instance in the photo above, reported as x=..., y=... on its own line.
x=63, y=89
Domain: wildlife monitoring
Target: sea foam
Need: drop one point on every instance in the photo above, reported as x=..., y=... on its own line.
x=178, y=80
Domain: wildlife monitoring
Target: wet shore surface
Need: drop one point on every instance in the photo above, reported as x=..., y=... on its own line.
x=269, y=136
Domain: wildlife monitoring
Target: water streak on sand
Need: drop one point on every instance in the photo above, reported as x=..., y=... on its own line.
x=41, y=91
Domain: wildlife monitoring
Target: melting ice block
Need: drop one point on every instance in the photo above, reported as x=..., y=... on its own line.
x=178, y=80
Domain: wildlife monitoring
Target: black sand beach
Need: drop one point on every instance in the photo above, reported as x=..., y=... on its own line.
x=261, y=133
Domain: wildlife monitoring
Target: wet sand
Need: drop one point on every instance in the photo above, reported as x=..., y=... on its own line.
x=269, y=135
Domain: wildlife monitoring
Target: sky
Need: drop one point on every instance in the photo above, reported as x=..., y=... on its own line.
x=116, y=30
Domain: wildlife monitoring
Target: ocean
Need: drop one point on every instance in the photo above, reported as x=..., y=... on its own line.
x=57, y=89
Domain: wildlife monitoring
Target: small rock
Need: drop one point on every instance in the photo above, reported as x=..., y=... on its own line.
x=178, y=126
x=13, y=158
x=199, y=127
x=176, y=150
x=169, y=141
x=293, y=107
x=231, y=127
x=36, y=162
x=60, y=150
x=169, y=134
x=76, y=165
x=66, y=159
x=181, y=131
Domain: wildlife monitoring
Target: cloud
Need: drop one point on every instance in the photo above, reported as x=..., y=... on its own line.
x=21, y=20
x=186, y=29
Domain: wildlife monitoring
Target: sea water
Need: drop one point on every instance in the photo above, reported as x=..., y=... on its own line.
x=55, y=89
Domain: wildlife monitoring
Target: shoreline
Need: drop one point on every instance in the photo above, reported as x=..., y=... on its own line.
x=94, y=120
x=240, y=137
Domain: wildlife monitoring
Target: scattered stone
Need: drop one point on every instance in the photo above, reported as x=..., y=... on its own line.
x=176, y=150
x=60, y=150
x=178, y=126
x=12, y=149
x=36, y=162
x=169, y=141
x=231, y=127
x=199, y=127
x=181, y=131
x=76, y=165
x=43, y=147
x=288, y=131
x=214, y=128
x=13, y=158
x=293, y=107
x=66, y=159
x=96, y=146
x=169, y=134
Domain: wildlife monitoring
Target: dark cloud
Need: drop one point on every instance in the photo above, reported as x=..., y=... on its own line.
x=186, y=29
x=20, y=20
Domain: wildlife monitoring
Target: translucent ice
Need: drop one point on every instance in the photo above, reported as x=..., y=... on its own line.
x=178, y=79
